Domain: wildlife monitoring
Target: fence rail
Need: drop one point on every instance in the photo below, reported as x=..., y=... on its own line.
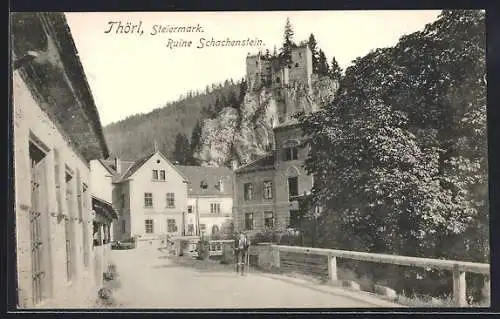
x=458, y=268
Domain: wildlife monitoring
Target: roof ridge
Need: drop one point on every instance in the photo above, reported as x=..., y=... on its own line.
x=254, y=161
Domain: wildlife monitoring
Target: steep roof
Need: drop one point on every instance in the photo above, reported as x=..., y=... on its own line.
x=57, y=79
x=204, y=181
x=129, y=168
x=135, y=166
x=264, y=163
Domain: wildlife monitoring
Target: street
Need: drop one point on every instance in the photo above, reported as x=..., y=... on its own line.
x=148, y=278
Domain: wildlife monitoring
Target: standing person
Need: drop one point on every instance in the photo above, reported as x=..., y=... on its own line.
x=241, y=248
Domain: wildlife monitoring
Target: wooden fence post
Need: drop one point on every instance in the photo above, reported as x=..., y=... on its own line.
x=276, y=257
x=486, y=292
x=332, y=268
x=459, y=287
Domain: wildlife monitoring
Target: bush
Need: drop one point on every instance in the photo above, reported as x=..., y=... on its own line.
x=203, y=249
x=267, y=236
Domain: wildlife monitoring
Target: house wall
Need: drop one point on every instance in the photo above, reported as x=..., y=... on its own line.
x=30, y=119
x=121, y=201
x=142, y=182
x=207, y=218
x=280, y=204
x=257, y=205
x=101, y=180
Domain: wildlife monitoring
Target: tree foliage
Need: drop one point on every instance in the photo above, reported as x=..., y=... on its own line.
x=134, y=136
x=335, y=71
x=399, y=157
x=182, y=152
x=288, y=42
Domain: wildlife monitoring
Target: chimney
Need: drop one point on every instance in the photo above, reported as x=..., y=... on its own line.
x=118, y=165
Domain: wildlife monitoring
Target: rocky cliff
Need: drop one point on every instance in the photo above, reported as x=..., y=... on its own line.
x=247, y=133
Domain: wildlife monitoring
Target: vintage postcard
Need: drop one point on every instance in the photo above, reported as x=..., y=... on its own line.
x=250, y=160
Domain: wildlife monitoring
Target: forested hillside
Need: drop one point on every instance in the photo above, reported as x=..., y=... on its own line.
x=224, y=122
x=134, y=136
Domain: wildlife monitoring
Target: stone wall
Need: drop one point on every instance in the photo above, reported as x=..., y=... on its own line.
x=32, y=125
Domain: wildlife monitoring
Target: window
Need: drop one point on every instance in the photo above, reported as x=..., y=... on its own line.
x=278, y=80
x=149, y=226
x=294, y=219
x=204, y=184
x=268, y=220
x=215, y=208
x=220, y=186
x=190, y=209
x=215, y=230
x=37, y=211
x=155, y=175
x=203, y=227
x=162, y=175
x=296, y=65
x=123, y=201
x=148, y=199
x=190, y=229
x=68, y=226
x=290, y=153
x=170, y=200
x=268, y=190
x=85, y=227
x=248, y=190
x=293, y=187
x=124, y=229
x=248, y=221
x=171, y=226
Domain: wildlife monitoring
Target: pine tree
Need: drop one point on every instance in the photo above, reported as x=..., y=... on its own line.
x=322, y=63
x=288, y=44
x=182, y=152
x=196, y=137
x=314, y=49
x=335, y=71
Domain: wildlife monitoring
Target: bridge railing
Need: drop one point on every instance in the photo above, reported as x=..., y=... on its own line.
x=458, y=268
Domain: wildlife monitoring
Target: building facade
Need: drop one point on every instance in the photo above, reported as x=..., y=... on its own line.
x=151, y=198
x=262, y=70
x=57, y=132
x=267, y=191
x=210, y=200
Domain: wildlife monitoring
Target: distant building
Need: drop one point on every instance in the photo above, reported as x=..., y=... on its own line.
x=57, y=132
x=210, y=200
x=151, y=197
x=102, y=197
x=267, y=190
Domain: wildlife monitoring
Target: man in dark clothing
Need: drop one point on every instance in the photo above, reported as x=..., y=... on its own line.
x=241, y=251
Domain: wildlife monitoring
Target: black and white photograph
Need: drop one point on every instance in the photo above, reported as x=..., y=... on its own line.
x=233, y=160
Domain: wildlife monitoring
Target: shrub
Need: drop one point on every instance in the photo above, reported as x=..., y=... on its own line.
x=203, y=249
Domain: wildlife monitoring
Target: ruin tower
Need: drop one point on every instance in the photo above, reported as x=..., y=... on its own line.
x=300, y=70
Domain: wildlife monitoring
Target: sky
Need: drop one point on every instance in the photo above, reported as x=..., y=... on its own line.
x=132, y=73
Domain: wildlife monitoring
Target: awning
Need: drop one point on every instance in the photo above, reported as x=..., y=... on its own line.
x=103, y=208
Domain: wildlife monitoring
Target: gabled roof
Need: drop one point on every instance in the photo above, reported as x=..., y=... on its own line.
x=264, y=163
x=110, y=165
x=132, y=167
x=109, y=169
x=204, y=181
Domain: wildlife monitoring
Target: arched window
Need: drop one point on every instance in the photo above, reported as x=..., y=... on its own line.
x=215, y=230
x=278, y=80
